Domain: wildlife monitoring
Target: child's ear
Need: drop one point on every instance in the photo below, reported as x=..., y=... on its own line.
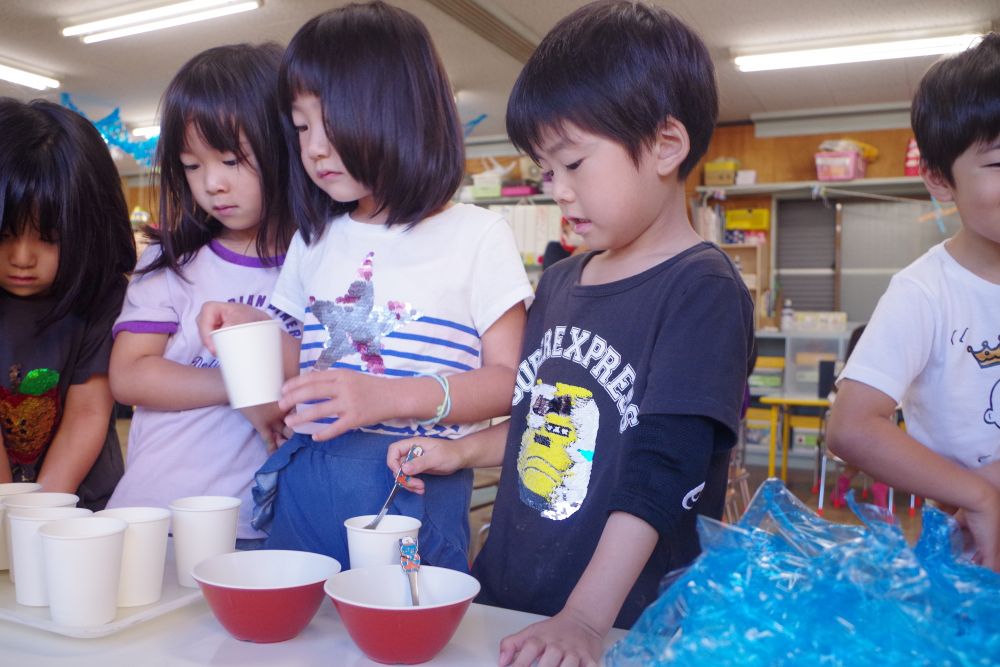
x=936, y=182
x=671, y=147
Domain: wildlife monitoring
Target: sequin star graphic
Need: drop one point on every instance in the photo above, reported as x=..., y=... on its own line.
x=354, y=323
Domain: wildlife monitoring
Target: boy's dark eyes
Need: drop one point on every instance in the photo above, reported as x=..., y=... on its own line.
x=573, y=166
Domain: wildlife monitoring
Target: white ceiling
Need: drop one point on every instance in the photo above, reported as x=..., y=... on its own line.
x=131, y=73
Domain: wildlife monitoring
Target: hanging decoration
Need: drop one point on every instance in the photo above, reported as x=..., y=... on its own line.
x=470, y=126
x=116, y=135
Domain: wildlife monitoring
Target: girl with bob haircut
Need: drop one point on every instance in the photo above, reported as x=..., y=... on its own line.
x=412, y=306
x=66, y=246
x=224, y=227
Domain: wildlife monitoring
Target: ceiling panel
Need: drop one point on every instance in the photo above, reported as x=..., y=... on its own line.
x=131, y=73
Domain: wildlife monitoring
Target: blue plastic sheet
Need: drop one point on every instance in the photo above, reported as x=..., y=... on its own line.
x=784, y=587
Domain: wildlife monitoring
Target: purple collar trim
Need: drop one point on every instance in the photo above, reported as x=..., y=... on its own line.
x=242, y=260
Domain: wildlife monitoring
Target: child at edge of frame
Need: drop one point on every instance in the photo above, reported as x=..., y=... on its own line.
x=932, y=345
x=66, y=248
x=636, y=354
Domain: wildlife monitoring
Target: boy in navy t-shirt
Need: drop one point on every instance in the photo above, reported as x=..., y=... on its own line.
x=635, y=356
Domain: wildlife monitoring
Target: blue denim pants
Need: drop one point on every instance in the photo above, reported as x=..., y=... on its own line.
x=307, y=489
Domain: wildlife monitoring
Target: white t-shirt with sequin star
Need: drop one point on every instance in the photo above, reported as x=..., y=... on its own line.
x=402, y=302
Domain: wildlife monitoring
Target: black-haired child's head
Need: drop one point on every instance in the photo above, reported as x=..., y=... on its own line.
x=61, y=193
x=387, y=111
x=617, y=69
x=223, y=103
x=957, y=106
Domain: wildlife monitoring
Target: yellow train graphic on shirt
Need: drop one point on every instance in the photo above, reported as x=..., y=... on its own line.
x=557, y=449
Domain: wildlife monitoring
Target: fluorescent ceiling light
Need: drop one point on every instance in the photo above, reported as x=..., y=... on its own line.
x=147, y=131
x=20, y=77
x=857, y=53
x=167, y=16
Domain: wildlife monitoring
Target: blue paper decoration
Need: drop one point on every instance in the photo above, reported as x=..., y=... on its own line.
x=116, y=134
x=471, y=125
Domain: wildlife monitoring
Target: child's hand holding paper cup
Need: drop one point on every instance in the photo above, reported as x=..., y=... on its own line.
x=250, y=356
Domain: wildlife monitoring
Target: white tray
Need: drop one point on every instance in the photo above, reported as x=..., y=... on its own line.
x=174, y=597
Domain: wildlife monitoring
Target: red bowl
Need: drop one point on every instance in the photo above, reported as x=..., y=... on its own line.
x=264, y=596
x=374, y=604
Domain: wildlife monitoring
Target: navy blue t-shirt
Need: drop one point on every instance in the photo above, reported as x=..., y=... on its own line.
x=674, y=342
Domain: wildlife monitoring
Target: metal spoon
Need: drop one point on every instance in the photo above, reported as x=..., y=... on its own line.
x=409, y=560
x=415, y=450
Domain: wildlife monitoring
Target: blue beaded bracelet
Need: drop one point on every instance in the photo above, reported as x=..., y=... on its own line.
x=445, y=408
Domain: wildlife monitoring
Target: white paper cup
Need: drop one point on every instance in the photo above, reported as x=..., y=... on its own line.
x=250, y=356
x=26, y=549
x=36, y=499
x=144, y=553
x=371, y=548
x=10, y=489
x=82, y=561
x=203, y=526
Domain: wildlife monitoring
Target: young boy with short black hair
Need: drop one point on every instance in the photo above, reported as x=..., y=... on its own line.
x=933, y=343
x=636, y=355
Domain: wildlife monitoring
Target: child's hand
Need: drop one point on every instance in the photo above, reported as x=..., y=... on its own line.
x=355, y=399
x=561, y=640
x=983, y=523
x=440, y=457
x=269, y=420
x=217, y=314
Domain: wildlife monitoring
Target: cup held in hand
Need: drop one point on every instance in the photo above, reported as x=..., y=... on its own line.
x=250, y=357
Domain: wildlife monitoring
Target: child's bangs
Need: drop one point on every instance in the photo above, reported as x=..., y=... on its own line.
x=300, y=76
x=220, y=128
x=30, y=204
x=534, y=118
x=314, y=73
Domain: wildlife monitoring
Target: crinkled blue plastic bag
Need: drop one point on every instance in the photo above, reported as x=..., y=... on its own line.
x=785, y=587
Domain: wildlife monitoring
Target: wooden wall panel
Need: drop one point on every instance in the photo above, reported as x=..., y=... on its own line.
x=782, y=159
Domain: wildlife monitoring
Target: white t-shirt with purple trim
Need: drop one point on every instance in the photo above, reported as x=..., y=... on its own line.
x=402, y=302
x=205, y=451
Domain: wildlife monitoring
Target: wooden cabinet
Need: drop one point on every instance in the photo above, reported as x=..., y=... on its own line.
x=754, y=263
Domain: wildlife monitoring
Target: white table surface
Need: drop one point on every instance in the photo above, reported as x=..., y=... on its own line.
x=192, y=636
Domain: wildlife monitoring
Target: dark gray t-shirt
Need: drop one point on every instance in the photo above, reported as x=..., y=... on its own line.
x=37, y=368
x=675, y=341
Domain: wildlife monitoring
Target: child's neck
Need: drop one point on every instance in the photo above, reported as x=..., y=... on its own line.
x=978, y=255
x=365, y=212
x=669, y=235
x=243, y=243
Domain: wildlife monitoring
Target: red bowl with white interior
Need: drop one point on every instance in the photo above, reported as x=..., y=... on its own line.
x=266, y=595
x=374, y=605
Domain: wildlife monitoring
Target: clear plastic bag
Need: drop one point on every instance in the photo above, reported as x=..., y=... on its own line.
x=785, y=587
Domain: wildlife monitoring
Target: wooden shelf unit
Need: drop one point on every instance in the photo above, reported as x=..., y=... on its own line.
x=754, y=263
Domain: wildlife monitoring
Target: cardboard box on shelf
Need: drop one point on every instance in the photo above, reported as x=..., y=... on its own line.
x=486, y=185
x=748, y=218
x=839, y=165
x=721, y=172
